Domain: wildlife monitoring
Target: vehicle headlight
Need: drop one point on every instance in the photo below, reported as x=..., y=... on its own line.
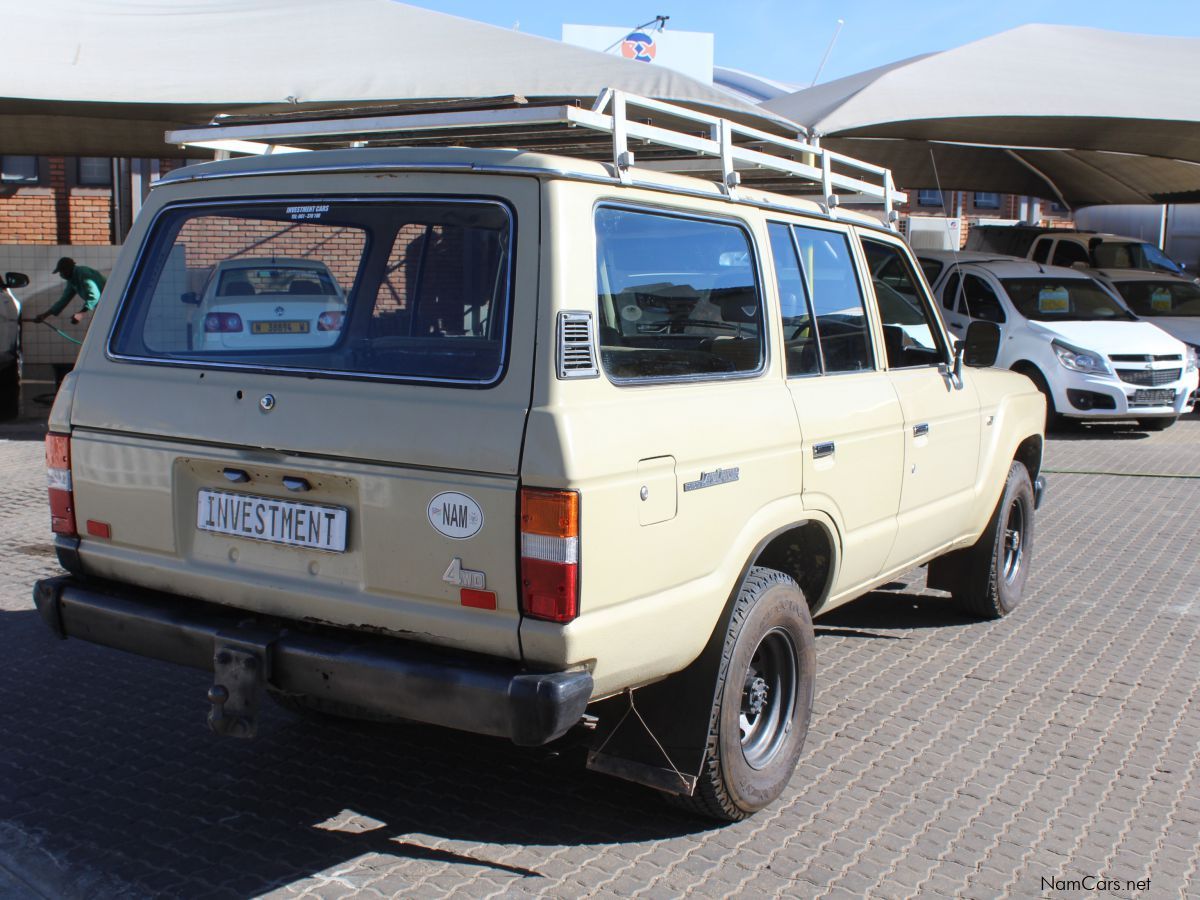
x=1078, y=360
x=1193, y=357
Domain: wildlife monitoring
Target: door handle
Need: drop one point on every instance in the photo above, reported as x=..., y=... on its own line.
x=921, y=430
x=823, y=449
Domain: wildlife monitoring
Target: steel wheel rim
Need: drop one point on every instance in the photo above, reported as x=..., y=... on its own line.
x=769, y=691
x=1014, y=540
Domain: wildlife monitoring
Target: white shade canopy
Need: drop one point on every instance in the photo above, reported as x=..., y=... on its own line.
x=108, y=77
x=1079, y=114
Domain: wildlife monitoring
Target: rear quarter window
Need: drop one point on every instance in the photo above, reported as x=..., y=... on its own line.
x=678, y=296
x=405, y=289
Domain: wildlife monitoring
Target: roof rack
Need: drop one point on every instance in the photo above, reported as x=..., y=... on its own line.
x=663, y=137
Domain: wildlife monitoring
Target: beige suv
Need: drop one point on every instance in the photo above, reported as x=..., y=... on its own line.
x=590, y=449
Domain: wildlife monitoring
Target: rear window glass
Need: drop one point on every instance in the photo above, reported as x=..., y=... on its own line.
x=400, y=289
x=678, y=296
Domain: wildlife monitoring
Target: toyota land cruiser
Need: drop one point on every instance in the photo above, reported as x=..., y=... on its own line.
x=589, y=439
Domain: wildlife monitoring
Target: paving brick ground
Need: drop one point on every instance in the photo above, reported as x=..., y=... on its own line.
x=947, y=757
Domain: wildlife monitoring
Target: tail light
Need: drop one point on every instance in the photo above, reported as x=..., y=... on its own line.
x=58, y=479
x=550, y=554
x=222, y=322
x=331, y=320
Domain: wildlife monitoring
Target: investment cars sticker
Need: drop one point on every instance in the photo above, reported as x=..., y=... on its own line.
x=455, y=515
x=1160, y=300
x=1054, y=300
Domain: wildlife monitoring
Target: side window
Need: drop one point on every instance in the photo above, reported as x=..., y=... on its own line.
x=800, y=337
x=1041, y=252
x=911, y=335
x=832, y=285
x=678, y=296
x=950, y=291
x=982, y=302
x=931, y=267
x=1067, y=253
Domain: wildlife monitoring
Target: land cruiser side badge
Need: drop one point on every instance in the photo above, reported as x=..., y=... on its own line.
x=455, y=515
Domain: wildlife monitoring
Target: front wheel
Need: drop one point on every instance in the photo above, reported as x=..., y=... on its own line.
x=763, y=700
x=993, y=577
x=1160, y=423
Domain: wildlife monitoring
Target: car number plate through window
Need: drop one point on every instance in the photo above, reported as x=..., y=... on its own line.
x=273, y=520
x=289, y=326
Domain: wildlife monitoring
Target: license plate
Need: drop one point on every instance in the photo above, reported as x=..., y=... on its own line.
x=275, y=521
x=283, y=326
x=1153, y=398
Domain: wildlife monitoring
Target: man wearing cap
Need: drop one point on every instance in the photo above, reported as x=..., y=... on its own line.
x=81, y=280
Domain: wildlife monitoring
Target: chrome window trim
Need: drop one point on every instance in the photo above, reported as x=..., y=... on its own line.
x=143, y=249
x=765, y=356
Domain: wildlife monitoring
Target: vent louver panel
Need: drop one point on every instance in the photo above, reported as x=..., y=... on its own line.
x=576, y=346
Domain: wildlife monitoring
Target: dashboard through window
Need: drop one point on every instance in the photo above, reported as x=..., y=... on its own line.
x=678, y=296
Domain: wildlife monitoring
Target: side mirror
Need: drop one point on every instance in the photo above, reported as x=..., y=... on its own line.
x=982, y=344
x=15, y=279
x=190, y=297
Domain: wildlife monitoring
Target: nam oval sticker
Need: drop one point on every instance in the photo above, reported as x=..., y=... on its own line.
x=455, y=515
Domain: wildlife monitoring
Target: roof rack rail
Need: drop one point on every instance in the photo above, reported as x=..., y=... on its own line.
x=662, y=136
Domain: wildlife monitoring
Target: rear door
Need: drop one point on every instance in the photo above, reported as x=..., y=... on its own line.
x=941, y=413
x=366, y=477
x=849, y=415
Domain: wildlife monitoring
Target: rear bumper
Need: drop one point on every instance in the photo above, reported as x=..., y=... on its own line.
x=383, y=675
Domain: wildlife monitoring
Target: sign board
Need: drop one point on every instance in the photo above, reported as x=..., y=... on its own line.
x=688, y=52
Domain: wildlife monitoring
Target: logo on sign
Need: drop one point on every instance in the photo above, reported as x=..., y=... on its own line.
x=640, y=46
x=455, y=515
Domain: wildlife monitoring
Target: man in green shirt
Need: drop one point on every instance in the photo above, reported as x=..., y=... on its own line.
x=81, y=280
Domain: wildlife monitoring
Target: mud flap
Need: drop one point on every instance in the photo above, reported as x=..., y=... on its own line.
x=241, y=667
x=657, y=735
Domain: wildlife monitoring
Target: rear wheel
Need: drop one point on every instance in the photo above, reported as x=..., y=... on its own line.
x=992, y=577
x=1160, y=423
x=763, y=700
x=10, y=392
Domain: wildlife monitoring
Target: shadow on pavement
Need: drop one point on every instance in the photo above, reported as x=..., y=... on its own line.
x=1113, y=431
x=106, y=763
x=892, y=609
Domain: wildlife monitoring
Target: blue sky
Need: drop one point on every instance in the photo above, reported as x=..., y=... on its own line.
x=784, y=39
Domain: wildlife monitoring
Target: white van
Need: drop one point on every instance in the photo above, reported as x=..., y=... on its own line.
x=1091, y=357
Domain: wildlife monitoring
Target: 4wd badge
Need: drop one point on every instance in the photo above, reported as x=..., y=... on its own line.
x=455, y=515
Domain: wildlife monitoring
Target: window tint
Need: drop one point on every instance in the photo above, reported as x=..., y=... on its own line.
x=986, y=200
x=95, y=170
x=19, y=169
x=408, y=289
x=800, y=338
x=950, y=291
x=836, y=296
x=1068, y=253
x=678, y=296
x=927, y=197
x=932, y=269
x=981, y=300
x=910, y=332
x=1042, y=251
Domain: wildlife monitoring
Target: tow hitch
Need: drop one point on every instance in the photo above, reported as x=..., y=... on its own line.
x=241, y=667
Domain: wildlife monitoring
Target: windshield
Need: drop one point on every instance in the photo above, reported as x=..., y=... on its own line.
x=415, y=289
x=1161, y=298
x=1131, y=255
x=1063, y=299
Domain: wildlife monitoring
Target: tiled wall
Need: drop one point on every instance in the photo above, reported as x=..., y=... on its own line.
x=42, y=347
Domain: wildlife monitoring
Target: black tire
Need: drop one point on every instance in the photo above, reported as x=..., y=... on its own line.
x=10, y=393
x=763, y=700
x=992, y=579
x=1159, y=423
